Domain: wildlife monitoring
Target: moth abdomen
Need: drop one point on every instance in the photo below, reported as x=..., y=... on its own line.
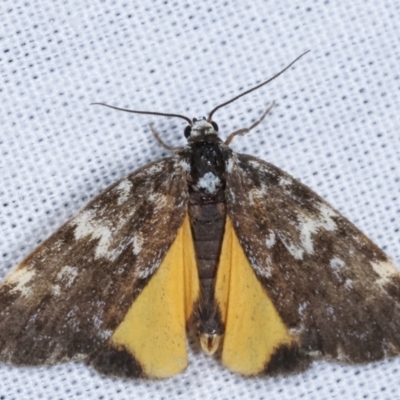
x=207, y=213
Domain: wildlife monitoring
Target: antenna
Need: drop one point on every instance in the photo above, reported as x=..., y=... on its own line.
x=145, y=112
x=254, y=88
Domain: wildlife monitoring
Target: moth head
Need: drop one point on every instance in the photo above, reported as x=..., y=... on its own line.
x=206, y=128
x=200, y=128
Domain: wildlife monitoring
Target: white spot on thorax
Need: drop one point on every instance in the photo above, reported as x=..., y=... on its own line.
x=124, y=190
x=209, y=182
x=20, y=278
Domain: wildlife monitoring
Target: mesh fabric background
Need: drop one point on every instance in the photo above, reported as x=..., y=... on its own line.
x=335, y=127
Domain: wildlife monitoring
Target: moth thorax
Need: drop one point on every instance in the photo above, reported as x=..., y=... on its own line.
x=210, y=342
x=202, y=127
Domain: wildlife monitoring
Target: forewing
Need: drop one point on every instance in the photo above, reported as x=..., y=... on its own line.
x=64, y=301
x=336, y=291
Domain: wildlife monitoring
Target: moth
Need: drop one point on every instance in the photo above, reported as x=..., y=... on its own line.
x=271, y=276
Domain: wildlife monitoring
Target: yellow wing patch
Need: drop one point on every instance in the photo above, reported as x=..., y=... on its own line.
x=253, y=327
x=154, y=328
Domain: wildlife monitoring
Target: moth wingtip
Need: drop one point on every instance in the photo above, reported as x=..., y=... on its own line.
x=114, y=361
x=287, y=359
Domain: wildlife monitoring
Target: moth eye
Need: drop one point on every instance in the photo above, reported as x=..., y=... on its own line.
x=215, y=126
x=187, y=131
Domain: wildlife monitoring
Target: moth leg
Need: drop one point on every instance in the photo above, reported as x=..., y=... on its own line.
x=163, y=144
x=243, y=131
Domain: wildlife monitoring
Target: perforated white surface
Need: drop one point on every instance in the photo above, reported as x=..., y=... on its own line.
x=335, y=127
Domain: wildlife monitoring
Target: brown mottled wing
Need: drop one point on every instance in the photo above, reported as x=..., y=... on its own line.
x=64, y=301
x=335, y=290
